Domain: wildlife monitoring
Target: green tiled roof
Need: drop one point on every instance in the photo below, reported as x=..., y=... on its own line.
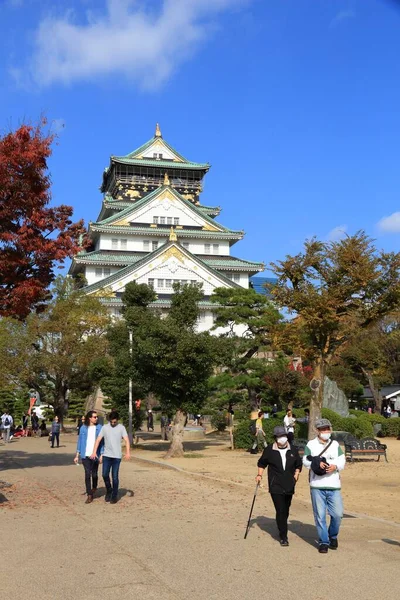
x=107, y=281
x=143, y=201
x=159, y=303
x=159, y=232
x=127, y=258
x=131, y=158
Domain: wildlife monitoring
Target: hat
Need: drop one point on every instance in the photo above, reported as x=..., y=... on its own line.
x=321, y=423
x=279, y=431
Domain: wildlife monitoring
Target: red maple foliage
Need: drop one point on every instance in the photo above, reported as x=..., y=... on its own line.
x=33, y=236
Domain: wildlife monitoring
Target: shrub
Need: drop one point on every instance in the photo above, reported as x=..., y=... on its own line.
x=391, y=427
x=372, y=418
x=218, y=420
x=243, y=438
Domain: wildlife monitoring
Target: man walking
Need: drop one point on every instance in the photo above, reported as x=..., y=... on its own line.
x=88, y=433
x=113, y=433
x=324, y=457
x=6, y=421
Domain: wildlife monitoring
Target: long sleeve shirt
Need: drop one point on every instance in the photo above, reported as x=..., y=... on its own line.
x=334, y=456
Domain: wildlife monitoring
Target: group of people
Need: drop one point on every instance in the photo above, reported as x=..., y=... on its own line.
x=324, y=459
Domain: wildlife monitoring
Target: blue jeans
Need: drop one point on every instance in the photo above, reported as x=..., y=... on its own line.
x=323, y=501
x=111, y=464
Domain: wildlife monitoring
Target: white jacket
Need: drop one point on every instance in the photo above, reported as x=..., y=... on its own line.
x=334, y=456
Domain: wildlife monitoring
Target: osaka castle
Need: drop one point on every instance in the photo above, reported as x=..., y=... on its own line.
x=152, y=228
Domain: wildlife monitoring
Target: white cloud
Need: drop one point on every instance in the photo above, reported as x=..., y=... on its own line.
x=343, y=15
x=128, y=40
x=337, y=233
x=390, y=224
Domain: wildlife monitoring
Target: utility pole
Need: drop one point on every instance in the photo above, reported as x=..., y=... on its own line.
x=130, y=431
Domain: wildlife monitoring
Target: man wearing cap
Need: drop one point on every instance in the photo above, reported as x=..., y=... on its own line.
x=284, y=466
x=325, y=485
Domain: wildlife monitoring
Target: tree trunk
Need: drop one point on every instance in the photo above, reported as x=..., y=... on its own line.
x=176, y=447
x=375, y=392
x=253, y=400
x=317, y=396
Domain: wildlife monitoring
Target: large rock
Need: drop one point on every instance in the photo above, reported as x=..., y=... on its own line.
x=334, y=398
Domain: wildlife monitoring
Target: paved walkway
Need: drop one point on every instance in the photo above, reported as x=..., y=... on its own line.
x=171, y=536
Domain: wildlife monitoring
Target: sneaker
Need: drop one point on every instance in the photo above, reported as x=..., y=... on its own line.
x=333, y=544
x=284, y=542
x=89, y=499
x=113, y=500
x=323, y=549
x=107, y=497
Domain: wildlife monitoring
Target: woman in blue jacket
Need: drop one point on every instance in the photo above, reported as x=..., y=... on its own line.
x=87, y=437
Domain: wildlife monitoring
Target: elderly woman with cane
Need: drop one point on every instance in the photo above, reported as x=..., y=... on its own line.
x=284, y=466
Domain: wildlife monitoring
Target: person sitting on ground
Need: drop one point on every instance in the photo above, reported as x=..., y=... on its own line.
x=284, y=467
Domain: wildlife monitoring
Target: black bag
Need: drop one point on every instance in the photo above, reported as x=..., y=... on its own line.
x=7, y=422
x=253, y=428
x=317, y=460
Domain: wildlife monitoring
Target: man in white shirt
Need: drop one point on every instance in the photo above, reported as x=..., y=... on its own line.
x=112, y=434
x=325, y=484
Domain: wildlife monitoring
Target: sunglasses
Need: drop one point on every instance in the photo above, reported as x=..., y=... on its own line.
x=94, y=417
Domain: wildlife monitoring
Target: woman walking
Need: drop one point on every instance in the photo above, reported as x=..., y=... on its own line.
x=84, y=449
x=284, y=466
x=55, y=432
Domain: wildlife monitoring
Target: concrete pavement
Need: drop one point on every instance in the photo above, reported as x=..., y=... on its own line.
x=171, y=536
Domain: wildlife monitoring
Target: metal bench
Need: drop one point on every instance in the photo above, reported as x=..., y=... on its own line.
x=364, y=448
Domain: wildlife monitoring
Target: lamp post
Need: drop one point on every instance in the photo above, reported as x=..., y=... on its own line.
x=130, y=428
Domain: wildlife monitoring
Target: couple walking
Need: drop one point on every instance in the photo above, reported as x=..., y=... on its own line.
x=324, y=458
x=101, y=444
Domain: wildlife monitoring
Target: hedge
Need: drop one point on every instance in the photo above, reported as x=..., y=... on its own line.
x=391, y=427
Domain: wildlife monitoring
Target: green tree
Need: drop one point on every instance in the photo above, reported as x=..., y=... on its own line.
x=333, y=290
x=170, y=358
x=252, y=327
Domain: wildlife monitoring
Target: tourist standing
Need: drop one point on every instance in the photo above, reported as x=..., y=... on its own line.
x=55, y=431
x=324, y=457
x=150, y=420
x=289, y=422
x=284, y=467
x=25, y=422
x=34, y=422
x=90, y=456
x=6, y=421
x=259, y=435
x=113, y=433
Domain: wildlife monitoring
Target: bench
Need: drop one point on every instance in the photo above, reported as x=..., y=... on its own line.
x=364, y=448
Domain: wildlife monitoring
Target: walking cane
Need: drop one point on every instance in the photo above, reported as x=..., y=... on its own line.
x=251, y=510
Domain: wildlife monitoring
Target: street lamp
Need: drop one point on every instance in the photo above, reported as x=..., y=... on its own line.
x=130, y=428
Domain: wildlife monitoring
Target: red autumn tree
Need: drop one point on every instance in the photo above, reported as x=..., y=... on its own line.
x=34, y=237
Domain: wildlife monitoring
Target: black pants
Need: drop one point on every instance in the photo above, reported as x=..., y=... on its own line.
x=290, y=437
x=282, y=504
x=55, y=436
x=91, y=478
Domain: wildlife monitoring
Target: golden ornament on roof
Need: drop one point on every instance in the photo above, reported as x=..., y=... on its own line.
x=166, y=179
x=172, y=236
x=158, y=131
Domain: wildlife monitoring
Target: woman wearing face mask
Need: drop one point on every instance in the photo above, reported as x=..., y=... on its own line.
x=284, y=466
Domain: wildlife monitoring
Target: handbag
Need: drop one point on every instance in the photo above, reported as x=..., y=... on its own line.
x=317, y=460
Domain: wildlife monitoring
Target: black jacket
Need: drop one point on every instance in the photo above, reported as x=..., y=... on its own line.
x=280, y=481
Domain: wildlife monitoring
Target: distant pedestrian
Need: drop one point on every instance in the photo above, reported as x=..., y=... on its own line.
x=388, y=411
x=324, y=457
x=112, y=434
x=25, y=424
x=259, y=435
x=274, y=411
x=284, y=467
x=35, y=422
x=90, y=456
x=289, y=422
x=7, y=422
x=55, y=432
x=150, y=420
x=164, y=422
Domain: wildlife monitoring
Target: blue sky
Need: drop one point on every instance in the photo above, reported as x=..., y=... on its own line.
x=295, y=103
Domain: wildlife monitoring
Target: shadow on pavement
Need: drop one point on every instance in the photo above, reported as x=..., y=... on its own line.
x=3, y=499
x=391, y=542
x=28, y=460
x=305, y=531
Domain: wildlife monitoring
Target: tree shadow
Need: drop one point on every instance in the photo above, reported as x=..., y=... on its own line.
x=3, y=498
x=304, y=531
x=19, y=459
x=189, y=445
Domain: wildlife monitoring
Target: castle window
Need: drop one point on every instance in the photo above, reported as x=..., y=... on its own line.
x=98, y=272
x=155, y=220
x=176, y=220
x=150, y=283
x=160, y=156
x=215, y=248
x=154, y=246
x=162, y=220
x=160, y=283
x=168, y=283
x=169, y=220
x=114, y=243
x=207, y=248
x=154, y=154
x=124, y=244
x=106, y=271
x=185, y=245
x=146, y=245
